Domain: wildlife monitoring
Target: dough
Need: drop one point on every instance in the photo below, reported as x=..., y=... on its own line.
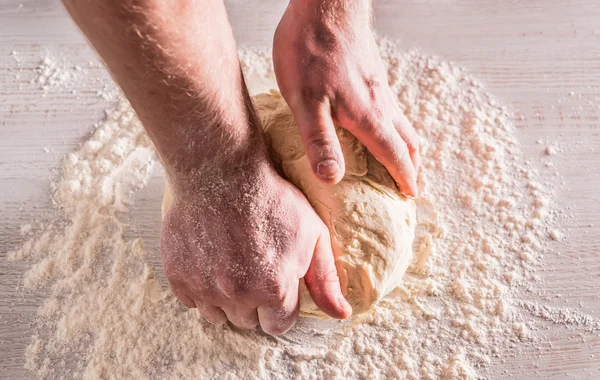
x=372, y=226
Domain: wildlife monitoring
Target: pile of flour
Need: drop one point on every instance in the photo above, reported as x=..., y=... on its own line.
x=484, y=214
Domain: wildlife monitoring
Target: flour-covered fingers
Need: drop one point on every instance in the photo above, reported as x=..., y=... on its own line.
x=385, y=144
x=280, y=314
x=320, y=141
x=243, y=317
x=323, y=282
x=211, y=313
x=180, y=292
x=409, y=135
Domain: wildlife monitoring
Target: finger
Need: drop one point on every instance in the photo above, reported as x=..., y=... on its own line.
x=409, y=135
x=278, y=316
x=320, y=140
x=211, y=313
x=386, y=145
x=180, y=293
x=323, y=282
x=244, y=318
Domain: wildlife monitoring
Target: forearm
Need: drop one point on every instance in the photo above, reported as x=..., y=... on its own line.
x=177, y=64
x=334, y=11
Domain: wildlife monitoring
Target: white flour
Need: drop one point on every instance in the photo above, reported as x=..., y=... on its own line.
x=485, y=218
x=54, y=74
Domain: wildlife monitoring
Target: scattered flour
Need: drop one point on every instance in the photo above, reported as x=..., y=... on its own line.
x=108, y=92
x=53, y=74
x=556, y=234
x=563, y=316
x=484, y=217
x=16, y=56
x=550, y=150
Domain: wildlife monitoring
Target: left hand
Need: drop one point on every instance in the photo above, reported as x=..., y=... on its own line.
x=329, y=71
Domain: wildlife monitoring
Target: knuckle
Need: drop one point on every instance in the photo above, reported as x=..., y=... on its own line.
x=271, y=289
x=371, y=118
x=244, y=286
x=373, y=87
x=241, y=290
x=238, y=287
x=368, y=123
x=311, y=94
x=320, y=138
x=227, y=288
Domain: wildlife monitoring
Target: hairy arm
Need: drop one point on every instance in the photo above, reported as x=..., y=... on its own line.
x=237, y=237
x=176, y=62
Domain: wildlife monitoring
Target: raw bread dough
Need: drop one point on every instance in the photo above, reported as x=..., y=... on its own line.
x=372, y=226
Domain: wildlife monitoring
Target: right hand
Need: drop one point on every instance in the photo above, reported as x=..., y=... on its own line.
x=237, y=248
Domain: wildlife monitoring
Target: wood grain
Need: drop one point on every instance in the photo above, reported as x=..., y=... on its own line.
x=540, y=57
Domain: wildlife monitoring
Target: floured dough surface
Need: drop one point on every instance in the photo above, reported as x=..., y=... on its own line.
x=372, y=226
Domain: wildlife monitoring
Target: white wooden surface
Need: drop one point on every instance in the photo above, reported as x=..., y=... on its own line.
x=532, y=54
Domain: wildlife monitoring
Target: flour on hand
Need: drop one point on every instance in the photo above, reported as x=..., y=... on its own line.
x=372, y=226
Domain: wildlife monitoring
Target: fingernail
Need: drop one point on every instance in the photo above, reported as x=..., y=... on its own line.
x=328, y=169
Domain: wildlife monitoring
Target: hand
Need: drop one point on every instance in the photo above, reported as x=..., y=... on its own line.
x=329, y=71
x=237, y=248
x=234, y=242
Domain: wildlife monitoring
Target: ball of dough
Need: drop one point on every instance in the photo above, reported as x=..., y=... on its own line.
x=372, y=226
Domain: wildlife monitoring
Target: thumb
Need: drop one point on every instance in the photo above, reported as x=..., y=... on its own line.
x=323, y=282
x=320, y=141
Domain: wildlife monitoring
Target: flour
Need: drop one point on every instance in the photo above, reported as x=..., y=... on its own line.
x=16, y=56
x=54, y=74
x=484, y=220
x=550, y=150
x=564, y=316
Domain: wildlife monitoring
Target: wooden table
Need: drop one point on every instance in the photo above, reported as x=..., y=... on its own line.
x=540, y=56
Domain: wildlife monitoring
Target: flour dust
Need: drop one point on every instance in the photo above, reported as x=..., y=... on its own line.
x=484, y=219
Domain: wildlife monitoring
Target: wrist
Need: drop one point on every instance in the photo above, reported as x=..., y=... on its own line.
x=225, y=154
x=197, y=167
x=228, y=183
x=224, y=138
